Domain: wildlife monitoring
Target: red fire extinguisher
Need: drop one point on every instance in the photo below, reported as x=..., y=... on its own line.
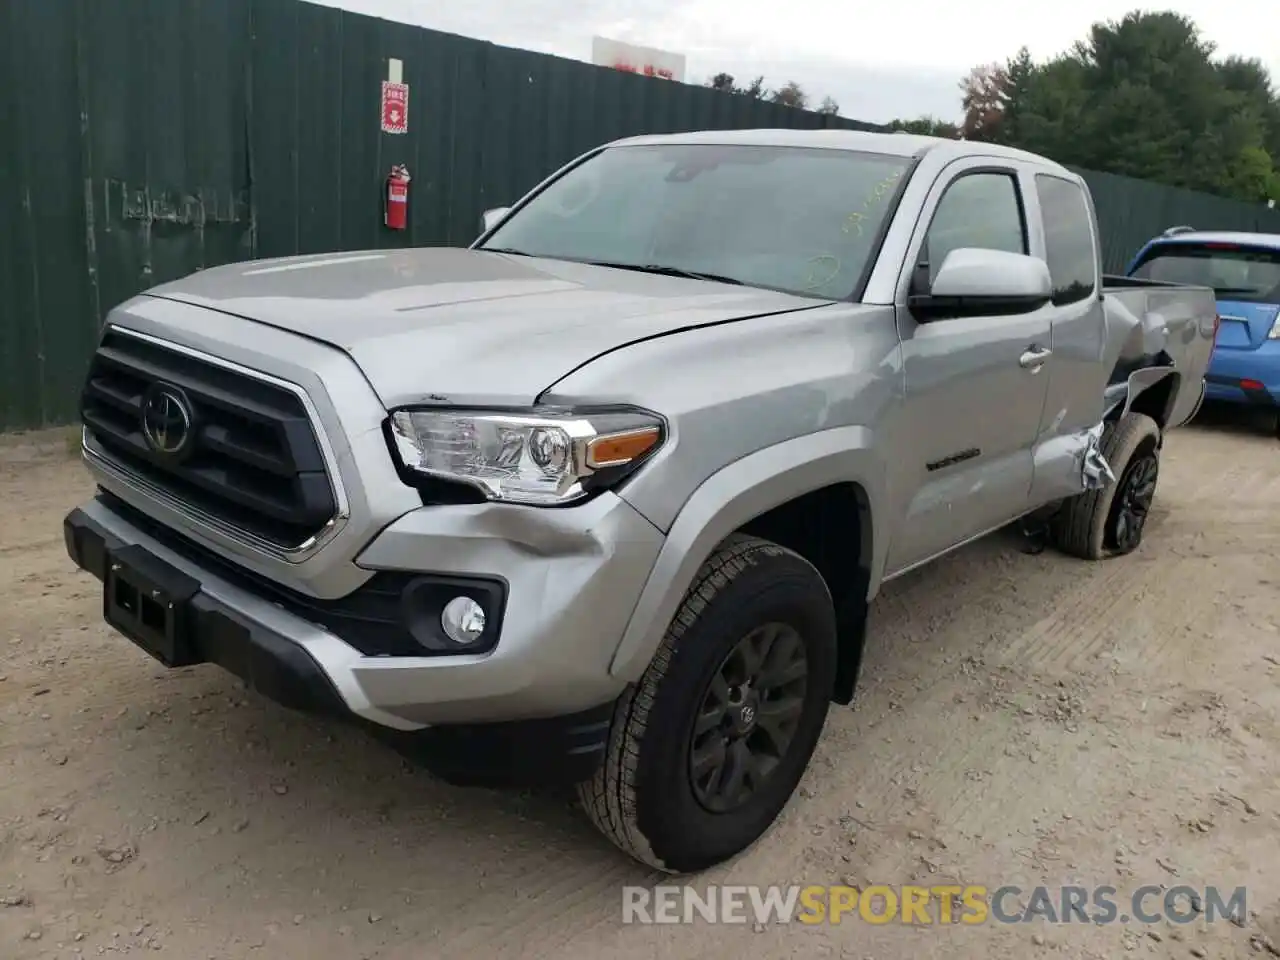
x=396, y=207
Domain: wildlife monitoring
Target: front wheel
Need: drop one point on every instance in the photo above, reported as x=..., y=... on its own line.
x=709, y=745
x=1111, y=520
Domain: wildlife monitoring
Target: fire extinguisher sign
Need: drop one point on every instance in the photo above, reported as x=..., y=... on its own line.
x=395, y=107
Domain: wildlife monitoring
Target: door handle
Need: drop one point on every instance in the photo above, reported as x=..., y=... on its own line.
x=1034, y=358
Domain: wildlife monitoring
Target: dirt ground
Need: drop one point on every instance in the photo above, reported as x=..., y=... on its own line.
x=1023, y=719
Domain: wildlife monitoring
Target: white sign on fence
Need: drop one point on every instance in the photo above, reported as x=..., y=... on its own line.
x=634, y=59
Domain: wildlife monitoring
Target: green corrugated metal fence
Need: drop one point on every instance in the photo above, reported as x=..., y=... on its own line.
x=1131, y=212
x=144, y=139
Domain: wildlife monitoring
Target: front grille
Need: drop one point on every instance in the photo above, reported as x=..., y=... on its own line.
x=253, y=461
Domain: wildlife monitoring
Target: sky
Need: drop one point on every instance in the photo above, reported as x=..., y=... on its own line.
x=891, y=58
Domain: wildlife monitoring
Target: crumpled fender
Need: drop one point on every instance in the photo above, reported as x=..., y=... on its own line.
x=1120, y=396
x=1138, y=344
x=1095, y=471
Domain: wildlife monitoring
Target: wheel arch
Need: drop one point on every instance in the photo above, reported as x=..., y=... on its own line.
x=1151, y=390
x=779, y=493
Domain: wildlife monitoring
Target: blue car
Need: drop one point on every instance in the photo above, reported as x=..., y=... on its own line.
x=1244, y=269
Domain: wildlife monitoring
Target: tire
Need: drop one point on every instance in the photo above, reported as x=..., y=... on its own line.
x=644, y=797
x=1087, y=525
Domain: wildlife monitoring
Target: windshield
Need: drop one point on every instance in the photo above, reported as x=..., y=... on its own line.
x=1250, y=274
x=800, y=220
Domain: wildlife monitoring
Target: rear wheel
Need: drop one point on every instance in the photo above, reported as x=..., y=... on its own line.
x=1111, y=520
x=708, y=747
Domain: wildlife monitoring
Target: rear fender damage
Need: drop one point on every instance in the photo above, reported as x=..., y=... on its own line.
x=1084, y=467
x=1095, y=471
x=1090, y=469
x=1076, y=463
x=1119, y=400
x=1123, y=396
x=1138, y=350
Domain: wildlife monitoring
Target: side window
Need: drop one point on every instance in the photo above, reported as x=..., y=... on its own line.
x=1068, y=239
x=978, y=210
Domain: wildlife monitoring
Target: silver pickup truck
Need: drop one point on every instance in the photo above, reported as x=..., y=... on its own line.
x=604, y=497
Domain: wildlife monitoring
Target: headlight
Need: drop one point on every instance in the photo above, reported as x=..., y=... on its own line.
x=543, y=459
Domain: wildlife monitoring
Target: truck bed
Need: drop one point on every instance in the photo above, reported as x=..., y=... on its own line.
x=1151, y=325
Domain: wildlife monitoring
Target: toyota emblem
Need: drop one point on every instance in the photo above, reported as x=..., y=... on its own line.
x=168, y=424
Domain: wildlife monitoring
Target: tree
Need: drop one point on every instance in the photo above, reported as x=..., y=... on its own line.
x=1141, y=96
x=1047, y=108
x=790, y=94
x=725, y=83
x=1251, y=81
x=983, y=90
x=927, y=126
x=1016, y=79
x=1253, y=176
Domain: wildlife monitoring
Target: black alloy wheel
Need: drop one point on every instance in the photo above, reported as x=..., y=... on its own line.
x=710, y=744
x=748, y=718
x=1132, y=503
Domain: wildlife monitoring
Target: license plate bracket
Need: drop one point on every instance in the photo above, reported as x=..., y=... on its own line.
x=149, y=601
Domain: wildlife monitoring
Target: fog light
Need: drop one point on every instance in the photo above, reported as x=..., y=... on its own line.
x=462, y=620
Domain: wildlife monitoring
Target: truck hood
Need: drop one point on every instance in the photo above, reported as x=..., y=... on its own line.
x=449, y=325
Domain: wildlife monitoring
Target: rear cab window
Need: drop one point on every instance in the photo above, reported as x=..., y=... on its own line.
x=1068, y=238
x=1240, y=272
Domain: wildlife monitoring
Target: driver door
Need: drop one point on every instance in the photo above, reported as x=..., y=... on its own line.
x=974, y=388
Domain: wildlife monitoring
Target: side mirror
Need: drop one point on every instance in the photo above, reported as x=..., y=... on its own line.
x=491, y=218
x=976, y=282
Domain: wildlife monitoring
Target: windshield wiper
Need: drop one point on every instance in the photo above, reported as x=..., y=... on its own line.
x=666, y=271
x=510, y=250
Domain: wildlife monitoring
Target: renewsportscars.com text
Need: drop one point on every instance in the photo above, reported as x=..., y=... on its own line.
x=942, y=904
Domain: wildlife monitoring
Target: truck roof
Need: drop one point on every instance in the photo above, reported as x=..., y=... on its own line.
x=893, y=144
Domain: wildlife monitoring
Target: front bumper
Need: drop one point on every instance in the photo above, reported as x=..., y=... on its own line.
x=541, y=698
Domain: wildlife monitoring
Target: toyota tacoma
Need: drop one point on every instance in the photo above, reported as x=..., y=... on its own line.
x=604, y=497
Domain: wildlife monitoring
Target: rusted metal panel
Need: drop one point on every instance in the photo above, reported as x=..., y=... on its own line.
x=143, y=139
